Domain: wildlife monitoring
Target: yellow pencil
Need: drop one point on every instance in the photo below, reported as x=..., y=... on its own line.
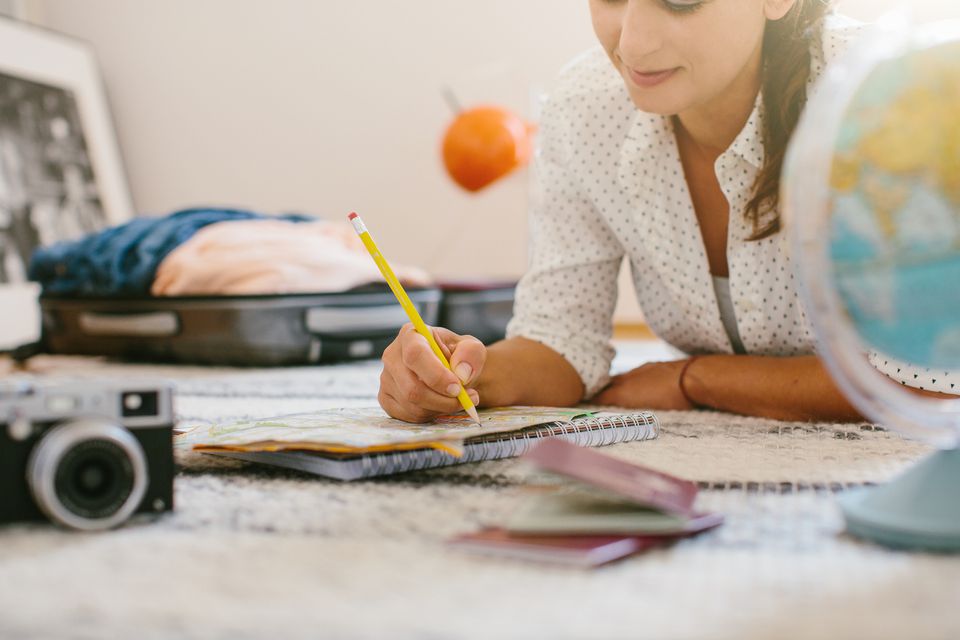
x=407, y=305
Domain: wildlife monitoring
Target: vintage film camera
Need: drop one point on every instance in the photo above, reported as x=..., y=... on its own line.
x=86, y=455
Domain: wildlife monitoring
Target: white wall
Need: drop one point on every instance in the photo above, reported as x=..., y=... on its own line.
x=922, y=10
x=326, y=107
x=329, y=106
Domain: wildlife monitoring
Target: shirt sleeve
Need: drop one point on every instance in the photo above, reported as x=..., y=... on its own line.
x=567, y=297
x=926, y=378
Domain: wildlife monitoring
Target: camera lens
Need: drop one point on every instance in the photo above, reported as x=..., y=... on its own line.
x=94, y=478
x=88, y=474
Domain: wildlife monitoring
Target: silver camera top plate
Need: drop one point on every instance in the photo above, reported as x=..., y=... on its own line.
x=130, y=404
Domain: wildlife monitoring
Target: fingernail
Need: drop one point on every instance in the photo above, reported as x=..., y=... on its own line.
x=474, y=396
x=464, y=371
x=453, y=390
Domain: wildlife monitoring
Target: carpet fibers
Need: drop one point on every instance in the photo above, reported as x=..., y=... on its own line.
x=254, y=551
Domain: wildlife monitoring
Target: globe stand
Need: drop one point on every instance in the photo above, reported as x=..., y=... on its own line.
x=919, y=509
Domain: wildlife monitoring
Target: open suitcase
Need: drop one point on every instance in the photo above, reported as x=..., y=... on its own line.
x=265, y=330
x=479, y=309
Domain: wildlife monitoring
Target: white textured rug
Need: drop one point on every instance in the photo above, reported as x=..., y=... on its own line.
x=255, y=552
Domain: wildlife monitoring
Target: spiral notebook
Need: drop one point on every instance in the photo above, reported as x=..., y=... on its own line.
x=591, y=430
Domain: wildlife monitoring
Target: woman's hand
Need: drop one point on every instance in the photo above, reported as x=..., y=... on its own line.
x=414, y=384
x=655, y=385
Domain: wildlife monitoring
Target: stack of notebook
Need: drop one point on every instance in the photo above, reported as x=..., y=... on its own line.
x=604, y=509
x=348, y=444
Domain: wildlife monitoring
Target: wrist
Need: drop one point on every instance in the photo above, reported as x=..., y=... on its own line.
x=690, y=382
x=494, y=384
x=519, y=371
x=491, y=394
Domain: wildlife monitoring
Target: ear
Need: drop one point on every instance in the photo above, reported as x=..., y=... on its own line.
x=776, y=9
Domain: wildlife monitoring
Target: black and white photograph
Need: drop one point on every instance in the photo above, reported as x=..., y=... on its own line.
x=48, y=190
x=61, y=172
x=61, y=175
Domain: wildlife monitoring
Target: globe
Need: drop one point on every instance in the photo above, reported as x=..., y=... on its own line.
x=871, y=195
x=895, y=198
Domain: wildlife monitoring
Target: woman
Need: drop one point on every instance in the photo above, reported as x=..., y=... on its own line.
x=671, y=157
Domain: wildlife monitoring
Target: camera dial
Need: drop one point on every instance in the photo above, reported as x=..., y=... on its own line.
x=88, y=474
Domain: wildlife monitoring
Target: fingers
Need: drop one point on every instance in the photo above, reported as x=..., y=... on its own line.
x=611, y=394
x=604, y=397
x=415, y=386
x=410, y=389
x=419, y=358
x=444, y=338
x=468, y=358
x=412, y=401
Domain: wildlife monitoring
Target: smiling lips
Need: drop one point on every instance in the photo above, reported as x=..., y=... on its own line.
x=651, y=78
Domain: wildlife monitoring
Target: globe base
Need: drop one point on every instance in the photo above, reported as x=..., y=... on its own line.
x=919, y=509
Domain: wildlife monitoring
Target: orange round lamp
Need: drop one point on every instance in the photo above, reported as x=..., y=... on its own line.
x=484, y=144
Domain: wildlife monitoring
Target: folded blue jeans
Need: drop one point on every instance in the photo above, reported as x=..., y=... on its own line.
x=123, y=260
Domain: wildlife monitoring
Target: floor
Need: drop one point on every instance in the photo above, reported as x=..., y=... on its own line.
x=254, y=551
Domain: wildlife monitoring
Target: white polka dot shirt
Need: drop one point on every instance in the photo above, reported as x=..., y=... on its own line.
x=611, y=187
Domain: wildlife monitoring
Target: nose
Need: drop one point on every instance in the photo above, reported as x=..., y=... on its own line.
x=641, y=32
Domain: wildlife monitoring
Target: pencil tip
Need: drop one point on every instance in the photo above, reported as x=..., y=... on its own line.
x=472, y=412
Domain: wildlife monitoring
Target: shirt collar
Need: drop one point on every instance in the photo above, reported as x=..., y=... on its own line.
x=748, y=144
x=651, y=131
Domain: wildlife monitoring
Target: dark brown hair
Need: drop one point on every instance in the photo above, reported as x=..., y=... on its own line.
x=786, y=70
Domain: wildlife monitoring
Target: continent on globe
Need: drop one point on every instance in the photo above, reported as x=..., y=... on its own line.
x=895, y=207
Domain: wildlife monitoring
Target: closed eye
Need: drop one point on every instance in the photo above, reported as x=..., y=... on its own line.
x=682, y=7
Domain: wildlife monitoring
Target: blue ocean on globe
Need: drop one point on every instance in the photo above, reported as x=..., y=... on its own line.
x=895, y=221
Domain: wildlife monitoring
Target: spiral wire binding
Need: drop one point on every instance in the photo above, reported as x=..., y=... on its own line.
x=591, y=432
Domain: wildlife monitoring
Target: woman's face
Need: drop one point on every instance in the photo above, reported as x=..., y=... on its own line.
x=677, y=55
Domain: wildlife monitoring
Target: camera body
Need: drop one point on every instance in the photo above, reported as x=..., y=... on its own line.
x=86, y=455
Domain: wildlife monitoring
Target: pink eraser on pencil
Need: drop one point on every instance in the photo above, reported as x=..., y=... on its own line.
x=352, y=216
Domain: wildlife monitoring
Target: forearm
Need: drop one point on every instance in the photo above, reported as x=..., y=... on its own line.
x=519, y=371
x=795, y=388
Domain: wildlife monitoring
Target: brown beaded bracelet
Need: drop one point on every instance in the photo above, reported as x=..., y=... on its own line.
x=683, y=389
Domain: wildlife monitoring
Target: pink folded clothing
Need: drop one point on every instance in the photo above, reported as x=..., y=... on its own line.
x=249, y=257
